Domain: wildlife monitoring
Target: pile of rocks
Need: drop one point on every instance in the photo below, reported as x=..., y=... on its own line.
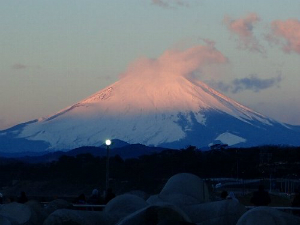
x=183, y=200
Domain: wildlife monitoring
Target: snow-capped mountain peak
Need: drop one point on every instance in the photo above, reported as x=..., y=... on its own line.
x=156, y=102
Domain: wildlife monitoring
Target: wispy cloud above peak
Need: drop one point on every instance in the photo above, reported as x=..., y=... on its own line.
x=173, y=63
x=243, y=28
x=287, y=34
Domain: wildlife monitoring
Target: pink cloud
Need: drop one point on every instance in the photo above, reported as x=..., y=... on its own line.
x=286, y=33
x=174, y=63
x=243, y=28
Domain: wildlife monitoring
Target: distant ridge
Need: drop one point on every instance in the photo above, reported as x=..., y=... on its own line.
x=125, y=152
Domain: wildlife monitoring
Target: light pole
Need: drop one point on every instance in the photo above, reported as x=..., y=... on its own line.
x=108, y=143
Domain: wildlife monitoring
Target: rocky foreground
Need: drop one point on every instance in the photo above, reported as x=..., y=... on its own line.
x=183, y=200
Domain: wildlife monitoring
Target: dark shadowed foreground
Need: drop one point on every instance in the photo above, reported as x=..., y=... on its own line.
x=184, y=199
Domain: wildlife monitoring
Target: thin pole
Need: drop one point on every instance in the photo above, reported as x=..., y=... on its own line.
x=270, y=182
x=107, y=167
x=237, y=165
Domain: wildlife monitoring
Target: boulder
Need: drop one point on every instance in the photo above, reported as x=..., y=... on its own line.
x=123, y=205
x=77, y=217
x=185, y=189
x=154, y=199
x=226, y=212
x=154, y=214
x=57, y=204
x=18, y=213
x=139, y=193
x=37, y=209
x=176, y=199
x=5, y=221
x=172, y=222
x=267, y=216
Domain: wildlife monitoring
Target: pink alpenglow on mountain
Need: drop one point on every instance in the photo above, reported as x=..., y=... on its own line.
x=157, y=102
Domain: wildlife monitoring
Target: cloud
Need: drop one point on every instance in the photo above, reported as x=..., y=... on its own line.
x=208, y=42
x=170, y=3
x=252, y=83
x=243, y=28
x=220, y=85
x=174, y=63
x=18, y=66
x=287, y=34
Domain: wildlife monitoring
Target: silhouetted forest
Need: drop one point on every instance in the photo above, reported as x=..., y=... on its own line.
x=149, y=172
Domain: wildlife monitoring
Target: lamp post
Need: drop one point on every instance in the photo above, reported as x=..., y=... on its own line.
x=107, y=143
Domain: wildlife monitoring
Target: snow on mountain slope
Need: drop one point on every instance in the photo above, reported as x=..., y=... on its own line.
x=135, y=112
x=156, y=102
x=229, y=139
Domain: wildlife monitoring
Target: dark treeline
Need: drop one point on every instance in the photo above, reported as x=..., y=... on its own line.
x=149, y=172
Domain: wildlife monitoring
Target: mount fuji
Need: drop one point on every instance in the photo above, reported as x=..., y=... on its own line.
x=174, y=113
x=171, y=111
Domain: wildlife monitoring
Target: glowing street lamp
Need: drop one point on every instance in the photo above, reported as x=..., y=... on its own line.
x=107, y=143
